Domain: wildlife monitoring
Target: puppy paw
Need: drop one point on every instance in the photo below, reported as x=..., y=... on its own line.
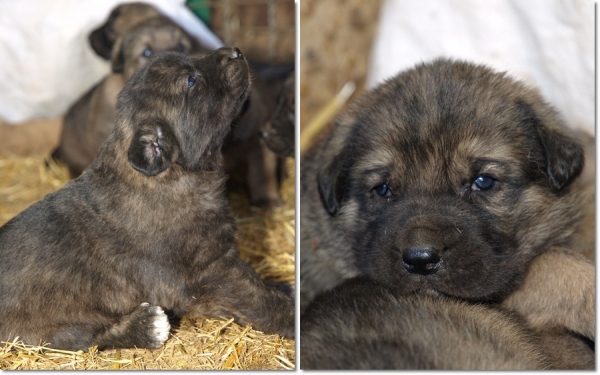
x=153, y=321
x=146, y=326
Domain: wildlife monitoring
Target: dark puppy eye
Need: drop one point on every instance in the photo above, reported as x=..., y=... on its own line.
x=483, y=183
x=147, y=52
x=191, y=81
x=180, y=47
x=383, y=190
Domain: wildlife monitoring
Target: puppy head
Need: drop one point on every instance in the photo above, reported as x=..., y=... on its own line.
x=451, y=178
x=121, y=19
x=278, y=132
x=133, y=50
x=176, y=111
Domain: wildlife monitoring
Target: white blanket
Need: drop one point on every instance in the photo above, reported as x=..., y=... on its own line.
x=547, y=43
x=46, y=61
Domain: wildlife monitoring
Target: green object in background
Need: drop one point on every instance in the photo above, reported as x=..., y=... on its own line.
x=201, y=9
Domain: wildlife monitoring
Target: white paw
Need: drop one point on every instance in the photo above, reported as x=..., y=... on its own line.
x=161, y=326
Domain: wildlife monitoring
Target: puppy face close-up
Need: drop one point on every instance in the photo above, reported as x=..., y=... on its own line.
x=450, y=177
x=121, y=19
x=159, y=34
x=165, y=106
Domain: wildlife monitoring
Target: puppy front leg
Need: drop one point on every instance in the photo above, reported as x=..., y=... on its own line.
x=145, y=327
x=233, y=289
x=558, y=290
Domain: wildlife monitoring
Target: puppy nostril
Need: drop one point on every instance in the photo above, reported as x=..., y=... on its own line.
x=236, y=53
x=422, y=260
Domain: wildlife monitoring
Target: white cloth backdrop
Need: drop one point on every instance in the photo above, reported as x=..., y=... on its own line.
x=546, y=43
x=46, y=61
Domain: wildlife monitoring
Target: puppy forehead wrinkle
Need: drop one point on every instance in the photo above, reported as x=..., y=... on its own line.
x=377, y=162
x=475, y=149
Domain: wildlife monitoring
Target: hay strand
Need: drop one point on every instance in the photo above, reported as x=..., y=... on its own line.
x=314, y=128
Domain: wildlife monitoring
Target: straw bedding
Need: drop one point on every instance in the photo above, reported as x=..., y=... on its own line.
x=266, y=241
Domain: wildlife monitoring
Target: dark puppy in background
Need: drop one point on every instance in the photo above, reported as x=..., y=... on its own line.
x=247, y=157
x=454, y=180
x=146, y=228
x=278, y=132
x=91, y=119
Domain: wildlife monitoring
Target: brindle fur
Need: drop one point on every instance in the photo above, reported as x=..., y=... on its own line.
x=415, y=331
x=278, y=132
x=91, y=119
x=427, y=134
x=247, y=156
x=147, y=222
x=120, y=20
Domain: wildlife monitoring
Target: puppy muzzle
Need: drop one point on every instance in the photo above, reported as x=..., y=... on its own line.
x=424, y=241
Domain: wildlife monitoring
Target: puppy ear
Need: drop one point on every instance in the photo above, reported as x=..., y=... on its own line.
x=118, y=56
x=564, y=157
x=152, y=149
x=100, y=42
x=332, y=183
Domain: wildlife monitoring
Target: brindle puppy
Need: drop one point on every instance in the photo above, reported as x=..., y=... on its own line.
x=90, y=120
x=278, y=132
x=450, y=178
x=245, y=152
x=120, y=20
x=145, y=228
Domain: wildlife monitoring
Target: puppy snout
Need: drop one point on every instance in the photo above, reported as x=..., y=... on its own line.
x=226, y=55
x=424, y=241
x=236, y=53
x=422, y=260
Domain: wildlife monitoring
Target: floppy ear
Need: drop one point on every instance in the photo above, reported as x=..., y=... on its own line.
x=564, y=157
x=100, y=42
x=152, y=148
x=118, y=56
x=102, y=38
x=332, y=182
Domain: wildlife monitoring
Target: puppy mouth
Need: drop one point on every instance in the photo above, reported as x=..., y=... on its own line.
x=423, y=268
x=428, y=252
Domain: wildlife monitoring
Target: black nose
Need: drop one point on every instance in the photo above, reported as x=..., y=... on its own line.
x=236, y=53
x=421, y=260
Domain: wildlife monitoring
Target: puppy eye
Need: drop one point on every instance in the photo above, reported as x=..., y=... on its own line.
x=180, y=47
x=483, y=183
x=383, y=190
x=147, y=52
x=191, y=81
